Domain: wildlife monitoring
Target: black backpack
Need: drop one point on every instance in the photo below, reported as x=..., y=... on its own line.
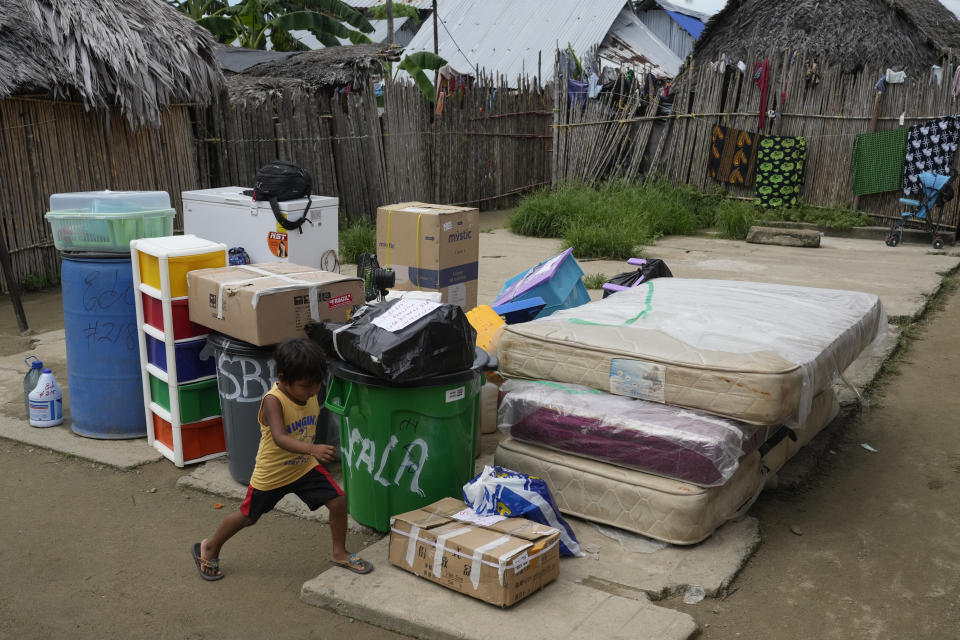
x=281, y=180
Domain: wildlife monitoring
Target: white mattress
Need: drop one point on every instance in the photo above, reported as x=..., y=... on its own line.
x=750, y=351
x=654, y=506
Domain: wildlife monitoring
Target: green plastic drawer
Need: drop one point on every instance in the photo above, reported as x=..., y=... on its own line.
x=198, y=400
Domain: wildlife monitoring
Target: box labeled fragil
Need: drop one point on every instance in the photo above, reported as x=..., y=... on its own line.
x=431, y=247
x=492, y=558
x=265, y=304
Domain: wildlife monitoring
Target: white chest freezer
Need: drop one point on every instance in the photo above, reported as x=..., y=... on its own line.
x=226, y=215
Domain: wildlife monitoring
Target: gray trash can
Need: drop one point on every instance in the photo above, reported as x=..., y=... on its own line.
x=245, y=373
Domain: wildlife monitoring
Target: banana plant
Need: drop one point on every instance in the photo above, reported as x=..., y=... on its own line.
x=415, y=64
x=251, y=23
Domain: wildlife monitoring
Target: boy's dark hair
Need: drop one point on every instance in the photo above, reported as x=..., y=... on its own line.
x=301, y=359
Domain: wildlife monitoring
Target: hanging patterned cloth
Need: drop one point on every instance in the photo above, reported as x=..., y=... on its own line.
x=733, y=155
x=930, y=147
x=878, y=161
x=780, y=165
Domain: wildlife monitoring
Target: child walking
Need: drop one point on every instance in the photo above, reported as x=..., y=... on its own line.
x=288, y=461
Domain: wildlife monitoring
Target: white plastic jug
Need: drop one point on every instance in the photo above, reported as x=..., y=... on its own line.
x=46, y=402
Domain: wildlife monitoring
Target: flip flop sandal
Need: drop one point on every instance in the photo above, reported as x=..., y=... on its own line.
x=365, y=567
x=202, y=564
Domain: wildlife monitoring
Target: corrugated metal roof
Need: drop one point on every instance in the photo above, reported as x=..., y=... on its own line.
x=362, y=4
x=632, y=43
x=700, y=9
x=508, y=36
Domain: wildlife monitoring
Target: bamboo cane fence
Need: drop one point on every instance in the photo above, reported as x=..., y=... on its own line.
x=829, y=115
x=484, y=147
x=49, y=147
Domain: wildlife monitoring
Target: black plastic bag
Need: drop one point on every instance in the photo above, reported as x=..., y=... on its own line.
x=439, y=341
x=655, y=268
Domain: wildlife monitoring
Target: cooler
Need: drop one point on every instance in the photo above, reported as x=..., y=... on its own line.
x=226, y=215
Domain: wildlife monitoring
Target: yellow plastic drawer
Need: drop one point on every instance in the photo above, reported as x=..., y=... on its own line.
x=178, y=267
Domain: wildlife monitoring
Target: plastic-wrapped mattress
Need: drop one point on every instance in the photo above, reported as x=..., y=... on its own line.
x=750, y=351
x=662, y=508
x=660, y=439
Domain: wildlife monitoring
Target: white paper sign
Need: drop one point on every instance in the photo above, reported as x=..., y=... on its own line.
x=469, y=515
x=456, y=394
x=404, y=313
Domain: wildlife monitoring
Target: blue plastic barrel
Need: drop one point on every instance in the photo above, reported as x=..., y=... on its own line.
x=103, y=353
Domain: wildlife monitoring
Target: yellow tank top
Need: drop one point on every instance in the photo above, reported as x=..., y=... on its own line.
x=276, y=466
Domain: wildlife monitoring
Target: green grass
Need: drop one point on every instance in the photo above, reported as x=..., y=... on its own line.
x=734, y=218
x=39, y=281
x=613, y=220
x=357, y=238
x=595, y=280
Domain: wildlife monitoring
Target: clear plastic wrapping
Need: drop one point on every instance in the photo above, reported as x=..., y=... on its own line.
x=709, y=344
x=670, y=441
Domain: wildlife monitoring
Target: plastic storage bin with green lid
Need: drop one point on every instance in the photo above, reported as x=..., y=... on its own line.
x=106, y=221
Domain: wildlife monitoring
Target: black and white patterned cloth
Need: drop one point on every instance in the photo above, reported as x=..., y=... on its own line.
x=930, y=147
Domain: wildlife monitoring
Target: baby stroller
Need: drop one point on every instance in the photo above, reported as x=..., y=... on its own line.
x=937, y=191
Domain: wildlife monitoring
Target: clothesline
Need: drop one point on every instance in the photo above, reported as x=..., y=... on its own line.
x=750, y=114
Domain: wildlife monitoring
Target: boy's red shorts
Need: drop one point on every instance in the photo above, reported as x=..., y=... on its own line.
x=316, y=488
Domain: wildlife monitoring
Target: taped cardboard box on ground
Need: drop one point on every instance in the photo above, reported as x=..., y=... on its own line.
x=265, y=304
x=495, y=559
x=431, y=247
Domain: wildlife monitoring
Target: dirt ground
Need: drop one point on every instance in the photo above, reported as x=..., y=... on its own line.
x=877, y=554
x=91, y=552
x=869, y=550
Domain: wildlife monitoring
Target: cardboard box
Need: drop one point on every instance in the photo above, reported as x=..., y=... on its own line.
x=431, y=247
x=265, y=304
x=495, y=559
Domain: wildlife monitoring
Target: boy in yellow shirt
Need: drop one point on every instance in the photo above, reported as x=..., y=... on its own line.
x=287, y=460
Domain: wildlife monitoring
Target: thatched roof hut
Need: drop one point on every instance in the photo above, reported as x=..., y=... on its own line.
x=78, y=79
x=320, y=70
x=910, y=34
x=138, y=56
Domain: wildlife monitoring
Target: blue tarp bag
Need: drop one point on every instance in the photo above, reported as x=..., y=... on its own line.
x=499, y=491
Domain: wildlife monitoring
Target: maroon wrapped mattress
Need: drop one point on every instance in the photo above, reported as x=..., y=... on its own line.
x=670, y=441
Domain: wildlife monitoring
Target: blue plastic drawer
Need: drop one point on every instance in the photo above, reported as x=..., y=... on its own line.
x=190, y=366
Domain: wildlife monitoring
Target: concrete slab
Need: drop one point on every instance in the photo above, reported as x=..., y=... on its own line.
x=904, y=277
x=122, y=454
x=214, y=477
x=51, y=348
x=783, y=236
x=563, y=609
x=611, y=565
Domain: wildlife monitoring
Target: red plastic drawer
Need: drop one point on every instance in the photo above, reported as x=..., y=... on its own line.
x=182, y=327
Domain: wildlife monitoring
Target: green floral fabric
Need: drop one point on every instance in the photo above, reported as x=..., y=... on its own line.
x=780, y=165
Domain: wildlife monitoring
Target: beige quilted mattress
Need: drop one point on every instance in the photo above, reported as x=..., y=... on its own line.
x=750, y=351
x=657, y=507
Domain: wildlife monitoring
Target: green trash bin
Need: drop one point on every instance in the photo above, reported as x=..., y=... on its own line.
x=404, y=446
